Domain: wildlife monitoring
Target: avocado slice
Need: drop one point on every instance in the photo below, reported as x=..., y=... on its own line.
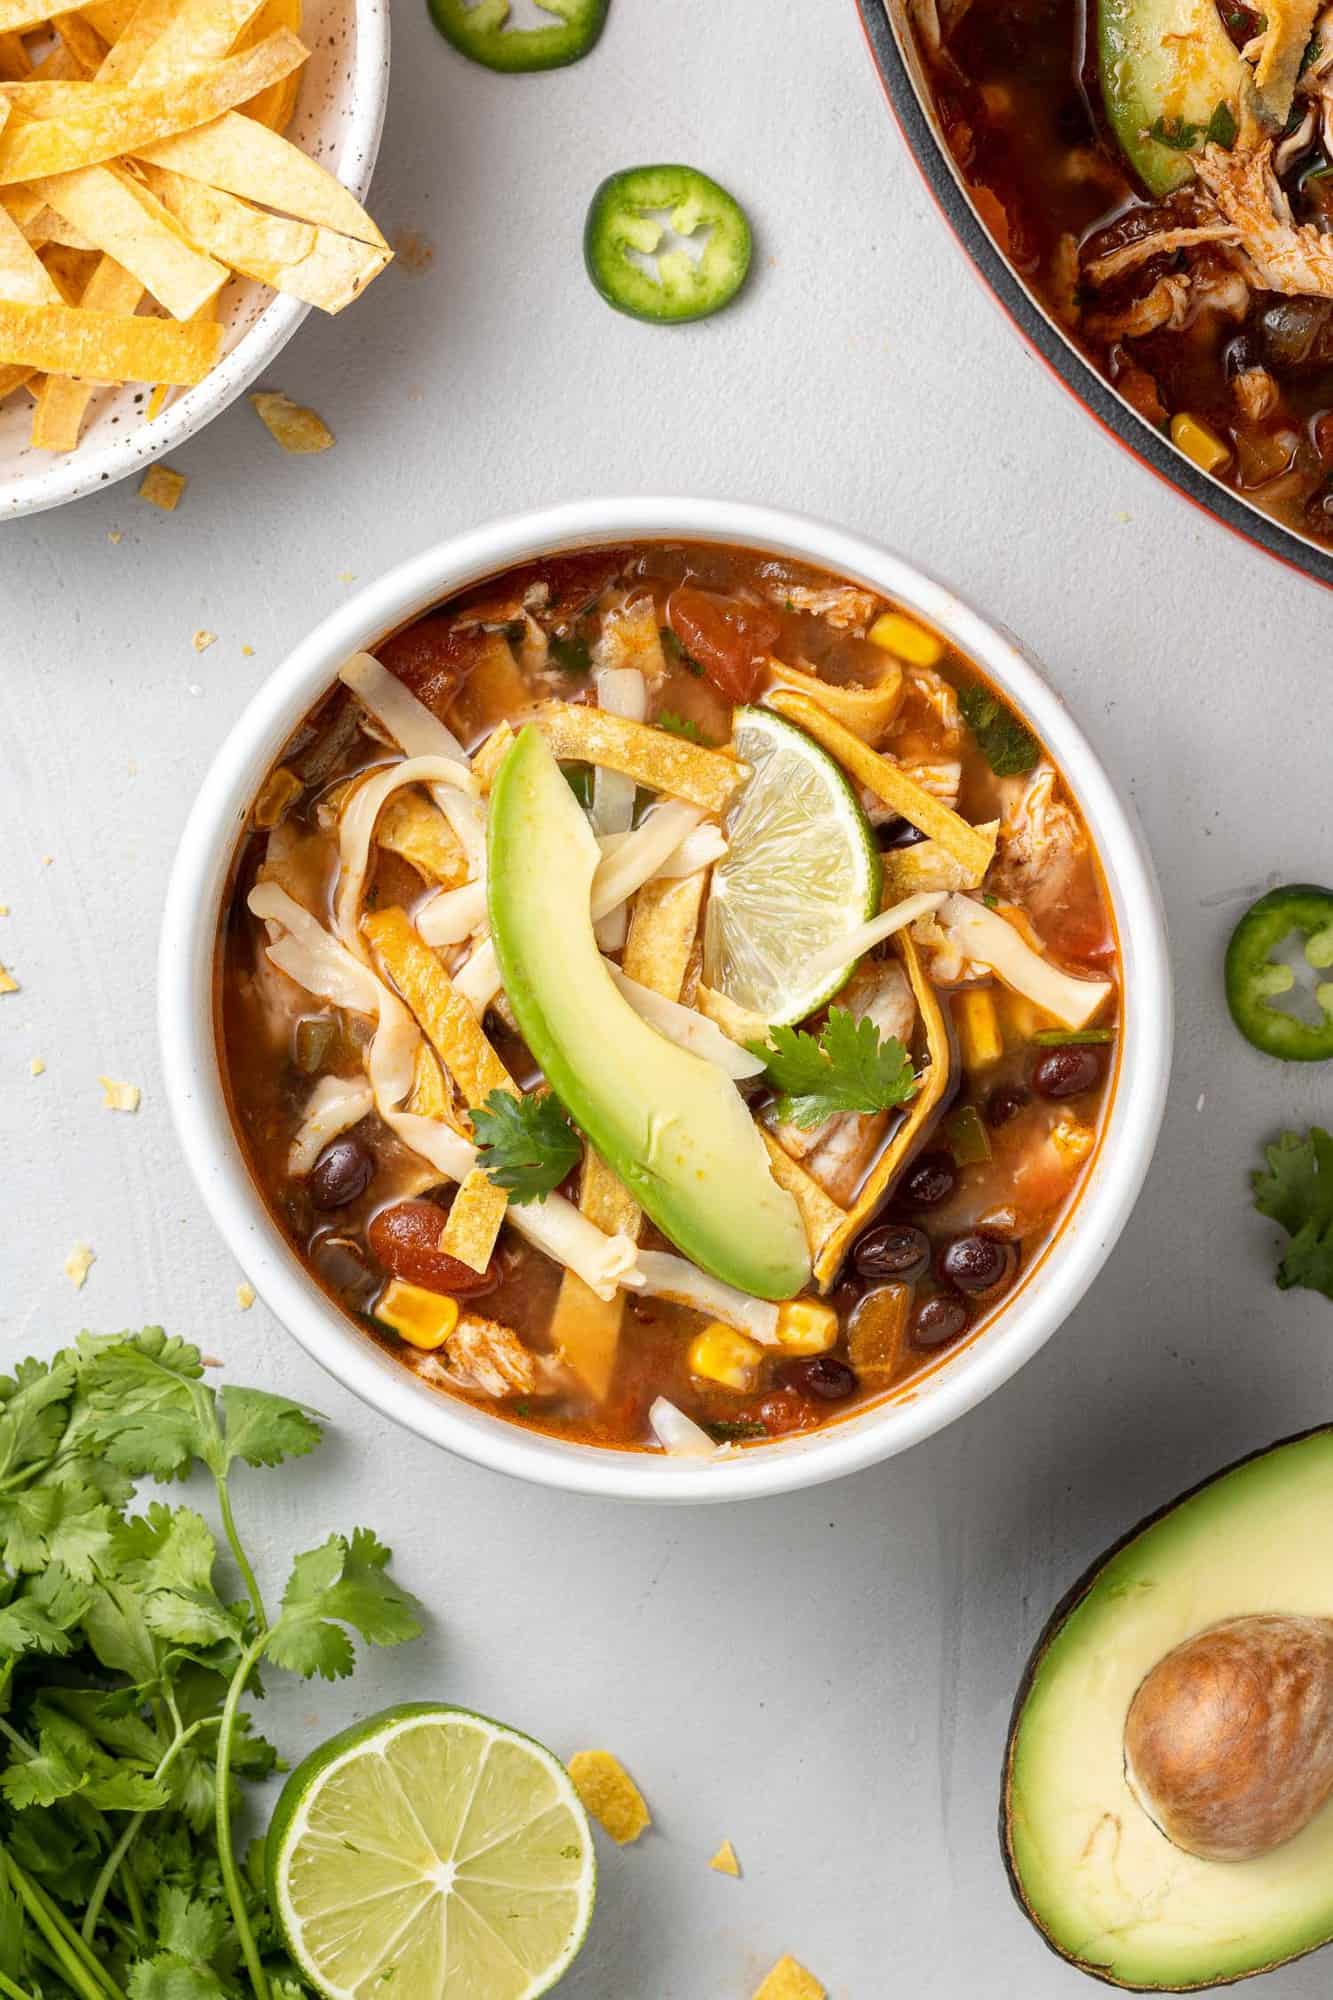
x=1168, y=64
x=1105, y=1887
x=669, y=1123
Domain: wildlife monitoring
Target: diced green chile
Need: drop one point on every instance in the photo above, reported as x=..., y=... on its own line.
x=480, y=31
x=1254, y=978
x=626, y=217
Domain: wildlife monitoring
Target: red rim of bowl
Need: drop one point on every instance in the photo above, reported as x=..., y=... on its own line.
x=1069, y=367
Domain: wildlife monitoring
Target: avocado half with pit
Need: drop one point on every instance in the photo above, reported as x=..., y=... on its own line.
x=1167, y=1816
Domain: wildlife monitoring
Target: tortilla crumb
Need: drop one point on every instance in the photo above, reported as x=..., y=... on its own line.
x=203, y=639
x=4, y=909
x=247, y=652
x=245, y=1297
x=610, y=1795
x=414, y=252
x=36, y=1067
x=8, y=983
x=347, y=576
x=289, y=424
x=790, y=1981
x=114, y=535
x=78, y=1264
x=119, y=1096
x=725, y=1861
x=163, y=487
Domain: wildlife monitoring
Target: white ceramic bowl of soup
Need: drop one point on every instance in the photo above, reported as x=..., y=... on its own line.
x=338, y=120
x=963, y=1376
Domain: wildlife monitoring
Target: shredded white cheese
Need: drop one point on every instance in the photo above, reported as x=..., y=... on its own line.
x=662, y=1275
x=990, y=939
x=640, y=854
x=679, y=1435
x=335, y=1104
x=443, y=776
x=451, y=915
x=686, y=1028
x=855, y=944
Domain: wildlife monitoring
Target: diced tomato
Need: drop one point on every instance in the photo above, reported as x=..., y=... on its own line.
x=406, y=1240
x=1082, y=934
x=431, y=658
x=728, y=636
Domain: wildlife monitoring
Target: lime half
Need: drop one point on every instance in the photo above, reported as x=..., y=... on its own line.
x=801, y=870
x=431, y=1854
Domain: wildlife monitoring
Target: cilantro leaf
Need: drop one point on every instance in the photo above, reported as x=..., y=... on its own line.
x=678, y=725
x=1008, y=746
x=1297, y=1192
x=263, y=1429
x=340, y=1583
x=847, y=1067
x=526, y=1144
x=169, y=1554
x=45, y=1614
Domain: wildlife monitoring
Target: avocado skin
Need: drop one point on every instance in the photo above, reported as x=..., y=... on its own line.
x=764, y=1251
x=1063, y=1611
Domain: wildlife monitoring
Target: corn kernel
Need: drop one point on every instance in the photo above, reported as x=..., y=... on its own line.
x=422, y=1318
x=1023, y=1017
x=1204, y=447
x=1073, y=1140
x=721, y=1354
x=806, y=1326
x=978, y=1026
x=904, y=637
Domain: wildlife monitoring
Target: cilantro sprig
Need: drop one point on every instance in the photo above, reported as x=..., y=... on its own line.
x=679, y=725
x=846, y=1067
x=1297, y=1192
x=125, y=1661
x=526, y=1144
x=1008, y=746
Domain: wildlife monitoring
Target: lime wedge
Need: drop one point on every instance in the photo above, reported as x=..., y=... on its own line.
x=801, y=870
x=429, y=1852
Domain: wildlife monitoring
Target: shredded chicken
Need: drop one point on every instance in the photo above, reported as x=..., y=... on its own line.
x=1158, y=243
x=1167, y=304
x=847, y=609
x=630, y=637
x=1039, y=838
x=942, y=777
x=938, y=695
x=492, y=1356
x=1281, y=254
x=1256, y=393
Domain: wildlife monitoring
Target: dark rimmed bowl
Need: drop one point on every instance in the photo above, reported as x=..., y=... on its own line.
x=903, y=76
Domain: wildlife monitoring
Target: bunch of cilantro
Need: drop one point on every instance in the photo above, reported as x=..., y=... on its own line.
x=124, y=1661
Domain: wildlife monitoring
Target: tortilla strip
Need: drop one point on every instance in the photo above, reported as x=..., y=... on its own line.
x=125, y=220
x=926, y=866
x=886, y=780
x=311, y=263
x=17, y=16
x=24, y=279
x=82, y=40
x=921, y=1113
x=474, y=1220
x=146, y=25
x=866, y=711
x=274, y=107
x=12, y=379
x=107, y=347
x=53, y=131
x=244, y=158
x=652, y=757
x=109, y=17
x=199, y=32
x=14, y=62
x=488, y=756
x=819, y=1212
x=494, y=689
x=410, y=825
x=444, y=1016
x=585, y=1329
x=663, y=925
x=63, y=400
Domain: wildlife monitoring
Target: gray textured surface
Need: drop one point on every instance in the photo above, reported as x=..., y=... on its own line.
x=824, y=1679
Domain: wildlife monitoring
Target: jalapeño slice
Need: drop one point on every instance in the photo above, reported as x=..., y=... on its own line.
x=635, y=213
x=1254, y=978
x=479, y=29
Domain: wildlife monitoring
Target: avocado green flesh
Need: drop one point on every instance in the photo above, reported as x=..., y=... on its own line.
x=1167, y=59
x=672, y=1126
x=1095, y=1874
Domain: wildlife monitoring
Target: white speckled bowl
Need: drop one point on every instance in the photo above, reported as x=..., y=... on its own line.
x=1054, y=1282
x=339, y=117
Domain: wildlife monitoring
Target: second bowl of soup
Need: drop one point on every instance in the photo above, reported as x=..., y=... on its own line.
x=661, y=999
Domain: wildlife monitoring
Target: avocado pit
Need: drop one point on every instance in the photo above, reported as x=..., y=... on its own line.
x=1229, y=1739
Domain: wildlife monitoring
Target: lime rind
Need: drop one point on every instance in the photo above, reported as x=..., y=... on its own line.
x=433, y=1850
x=801, y=869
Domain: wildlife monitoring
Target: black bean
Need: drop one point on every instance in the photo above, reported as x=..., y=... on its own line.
x=1067, y=1071
x=897, y=832
x=892, y=1250
x=823, y=1377
x=1005, y=1102
x=937, y=1320
x=343, y=1171
x=981, y=1266
x=929, y=1180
